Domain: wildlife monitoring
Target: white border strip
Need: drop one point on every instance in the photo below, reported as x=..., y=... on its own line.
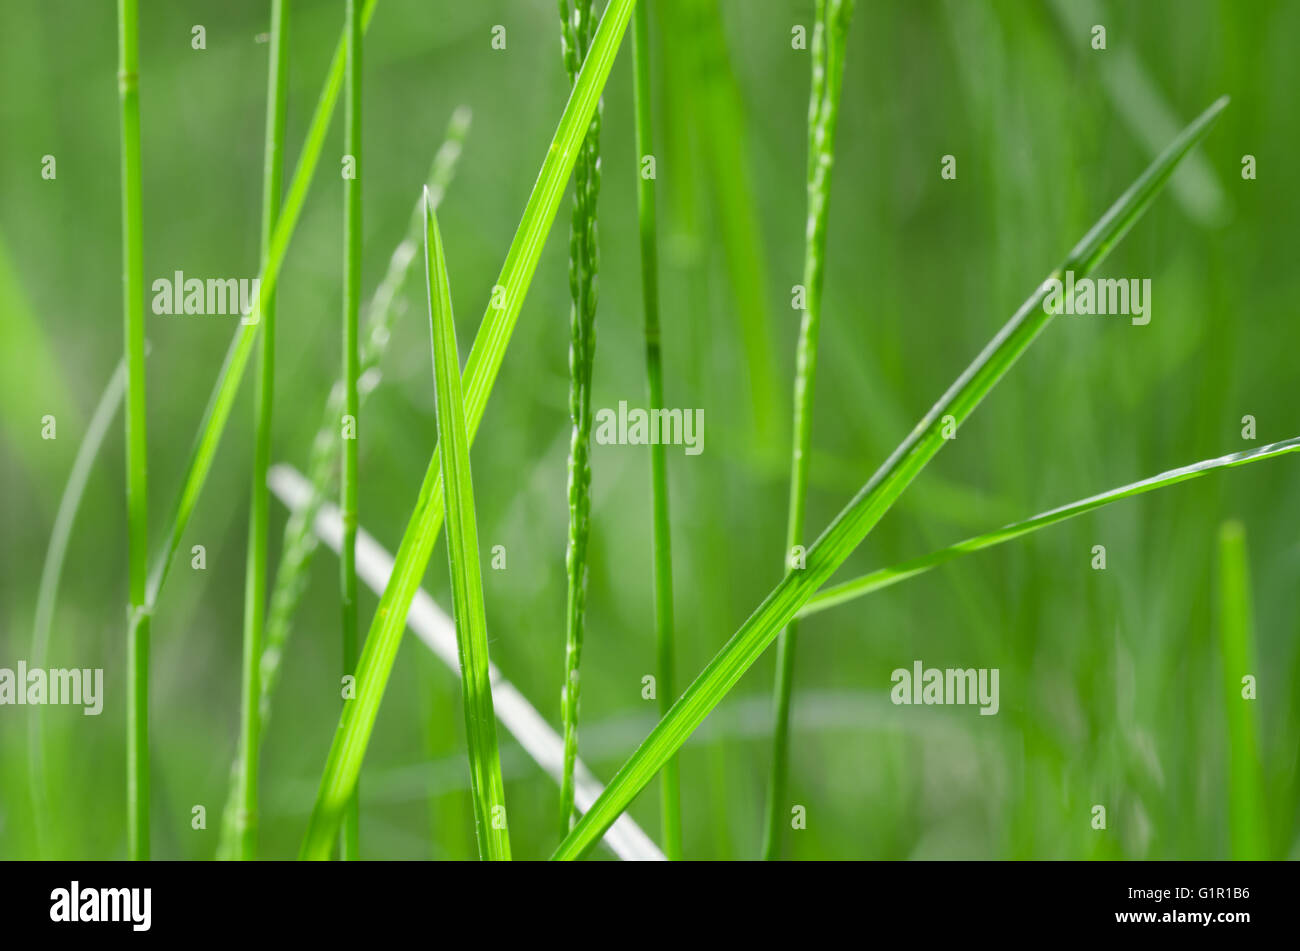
x=374, y=566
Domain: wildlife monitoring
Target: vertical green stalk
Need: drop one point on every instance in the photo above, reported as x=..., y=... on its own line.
x=349, y=840
x=1246, y=823
x=463, y=562
x=137, y=469
x=575, y=38
x=823, y=110
x=663, y=555
x=244, y=821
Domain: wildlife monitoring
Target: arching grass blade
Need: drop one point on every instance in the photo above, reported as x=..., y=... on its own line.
x=875, y=498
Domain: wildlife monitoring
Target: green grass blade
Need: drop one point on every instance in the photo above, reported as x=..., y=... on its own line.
x=665, y=675
x=243, y=829
x=137, y=457
x=468, y=609
x=828, y=43
x=884, y=577
x=300, y=543
x=349, y=843
x=52, y=573
x=1246, y=820
x=217, y=412
x=575, y=34
x=851, y=526
x=381, y=644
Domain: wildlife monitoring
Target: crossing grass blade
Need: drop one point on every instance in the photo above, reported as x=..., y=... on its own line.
x=884, y=577
x=875, y=498
x=468, y=609
x=1246, y=820
x=242, y=843
x=380, y=650
x=137, y=457
x=665, y=675
x=828, y=44
x=217, y=412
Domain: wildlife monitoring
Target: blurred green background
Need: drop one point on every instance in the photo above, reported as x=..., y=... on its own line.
x=1111, y=684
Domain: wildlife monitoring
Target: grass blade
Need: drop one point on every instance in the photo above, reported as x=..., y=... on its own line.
x=245, y=820
x=828, y=42
x=851, y=526
x=217, y=412
x=884, y=577
x=380, y=650
x=299, y=543
x=52, y=574
x=1246, y=820
x=463, y=557
x=575, y=34
x=137, y=457
x=431, y=625
x=665, y=675
x=349, y=843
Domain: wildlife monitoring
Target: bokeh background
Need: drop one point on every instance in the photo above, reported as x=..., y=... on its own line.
x=1111, y=685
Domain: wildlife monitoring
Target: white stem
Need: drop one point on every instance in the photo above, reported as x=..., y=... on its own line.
x=374, y=566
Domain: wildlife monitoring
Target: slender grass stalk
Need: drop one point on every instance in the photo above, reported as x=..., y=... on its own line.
x=1246, y=818
x=430, y=624
x=217, y=412
x=665, y=676
x=137, y=462
x=852, y=525
x=380, y=648
x=884, y=577
x=829, y=34
x=468, y=609
x=299, y=543
x=48, y=589
x=245, y=819
x=349, y=844
x=575, y=34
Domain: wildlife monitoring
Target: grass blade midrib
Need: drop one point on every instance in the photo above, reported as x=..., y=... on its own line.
x=892, y=574
x=480, y=373
x=866, y=508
